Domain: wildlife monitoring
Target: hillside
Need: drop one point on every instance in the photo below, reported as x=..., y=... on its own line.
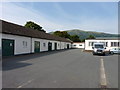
x=84, y=34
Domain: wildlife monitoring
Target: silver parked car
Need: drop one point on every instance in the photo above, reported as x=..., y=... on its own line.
x=115, y=51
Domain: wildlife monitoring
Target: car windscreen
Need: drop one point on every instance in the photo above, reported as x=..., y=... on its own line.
x=98, y=46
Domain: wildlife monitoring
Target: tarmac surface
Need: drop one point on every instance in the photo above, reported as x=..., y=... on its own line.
x=60, y=69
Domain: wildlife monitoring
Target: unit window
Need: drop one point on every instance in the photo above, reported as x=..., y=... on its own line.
x=44, y=44
x=24, y=44
x=111, y=44
x=102, y=42
x=118, y=44
x=115, y=44
x=90, y=43
x=106, y=44
x=74, y=45
x=80, y=45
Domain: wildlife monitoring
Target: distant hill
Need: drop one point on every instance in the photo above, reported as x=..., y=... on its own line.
x=84, y=34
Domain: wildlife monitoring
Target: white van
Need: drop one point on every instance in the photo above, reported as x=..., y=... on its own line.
x=99, y=48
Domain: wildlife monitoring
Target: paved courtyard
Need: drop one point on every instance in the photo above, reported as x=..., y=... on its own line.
x=59, y=69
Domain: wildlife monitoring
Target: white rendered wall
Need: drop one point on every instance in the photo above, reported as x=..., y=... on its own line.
x=0, y=40
x=60, y=45
x=42, y=48
x=65, y=45
x=87, y=47
x=18, y=42
x=19, y=49
x=78, y=45
x=53, y=44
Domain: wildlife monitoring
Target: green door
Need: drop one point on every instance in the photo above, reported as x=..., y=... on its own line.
x=55, y=46
x=7, y=47
x=49, y=46
x=36, y=47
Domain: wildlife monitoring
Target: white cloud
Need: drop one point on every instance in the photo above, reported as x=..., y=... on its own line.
x=85, y=22
x=19, y=15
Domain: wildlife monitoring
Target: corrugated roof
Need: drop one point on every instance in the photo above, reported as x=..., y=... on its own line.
x=10, y=28
x=105, y=38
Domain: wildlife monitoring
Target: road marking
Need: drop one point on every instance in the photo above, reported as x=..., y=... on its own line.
x=82, y=50
x=25, y=83
x=23, y=61
x=103, y=81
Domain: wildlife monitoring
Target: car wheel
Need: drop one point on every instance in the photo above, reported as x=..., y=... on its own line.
x=93, y=53
x=104, y=54
x=111, y=53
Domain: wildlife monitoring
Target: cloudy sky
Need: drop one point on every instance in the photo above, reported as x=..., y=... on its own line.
x=52, y=16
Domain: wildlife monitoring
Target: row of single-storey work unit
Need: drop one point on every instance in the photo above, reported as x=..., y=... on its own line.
x=18, y=39
x=78, y=45
x=109, y=43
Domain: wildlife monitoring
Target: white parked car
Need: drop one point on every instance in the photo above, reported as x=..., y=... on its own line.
x=115, y=51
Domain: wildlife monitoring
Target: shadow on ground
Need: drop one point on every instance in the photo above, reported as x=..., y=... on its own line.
x=14, y=62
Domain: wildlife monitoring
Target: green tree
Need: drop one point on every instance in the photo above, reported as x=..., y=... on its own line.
x=91, y=37
x=75, y=38
x=33, y=25
x=61, y=34
x=57, y=33
x=83, y=40
x=65, y=34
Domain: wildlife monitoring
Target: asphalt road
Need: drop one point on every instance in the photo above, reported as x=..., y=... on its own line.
x=59, y=69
